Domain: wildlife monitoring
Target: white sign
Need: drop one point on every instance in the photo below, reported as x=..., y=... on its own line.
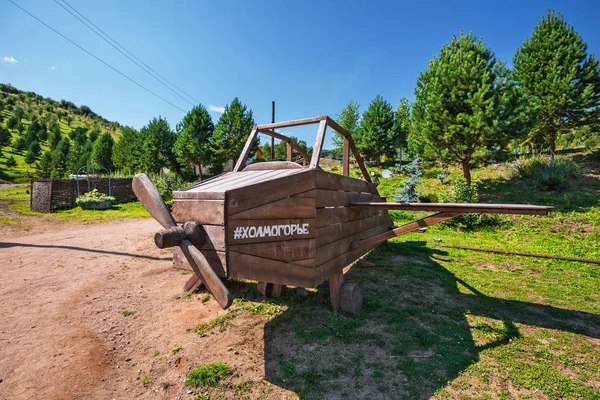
x=251, y=232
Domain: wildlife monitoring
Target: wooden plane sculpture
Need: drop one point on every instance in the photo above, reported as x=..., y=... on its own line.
x=280, y=223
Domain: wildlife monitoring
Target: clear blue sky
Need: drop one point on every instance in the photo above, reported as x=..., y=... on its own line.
x=311, y=57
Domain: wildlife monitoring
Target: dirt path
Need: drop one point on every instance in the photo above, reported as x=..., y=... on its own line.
x=63, y=334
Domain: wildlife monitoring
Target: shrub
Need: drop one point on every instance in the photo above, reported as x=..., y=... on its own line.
x=408, y=193
x=547, y=174
x=94, y=200
x=11, y=162
x=428, y=198
x=208, y=374
x=461, y=193
x=166, y=184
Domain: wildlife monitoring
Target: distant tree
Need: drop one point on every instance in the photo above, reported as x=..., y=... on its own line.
x=559, y=79
x=281, y=148
x=192, y=146
x=231, y=133
x=18, y=112
x=5, y=137
x=102, y=151
x=12, y=121
x=44, y=166
x=127, y=151
x=94, y=133
x=157, y=146
x=11, y=162
x=348, y=119
x=69, y=119
x=401, y=127
x=20, y=127
x=375, y=130
x=464, y=105
x=78, y=136
x=54, y=137
x=32, y=133
x=30, y=158
x=59, y=157
x=19, y=144
x=35, y=148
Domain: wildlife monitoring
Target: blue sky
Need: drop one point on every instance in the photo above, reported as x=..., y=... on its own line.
x=311, y=57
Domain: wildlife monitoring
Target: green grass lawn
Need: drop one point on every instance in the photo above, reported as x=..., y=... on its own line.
x=14, y=203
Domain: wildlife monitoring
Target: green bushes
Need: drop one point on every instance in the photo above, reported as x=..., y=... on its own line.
x=461, y=193
x=167, y=183
x=547, y=174
x=94, y=200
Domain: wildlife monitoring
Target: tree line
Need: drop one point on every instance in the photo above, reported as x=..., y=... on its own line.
x=470, y=107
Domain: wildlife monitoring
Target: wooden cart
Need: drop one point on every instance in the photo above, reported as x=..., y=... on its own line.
x=280, y=223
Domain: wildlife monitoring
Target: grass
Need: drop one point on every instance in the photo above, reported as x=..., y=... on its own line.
x=208, y=374
x=127, y=313
x=16, y=201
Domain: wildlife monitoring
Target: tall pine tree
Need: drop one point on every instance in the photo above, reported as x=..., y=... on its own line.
x=560, y=80
x=375, y=130
x=192, y=146
x=348, y=119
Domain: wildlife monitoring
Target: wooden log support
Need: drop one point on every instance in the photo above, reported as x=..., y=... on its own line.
x=335, y=282
x=346, y=158
x=351, y=298
x=273, y=290
x=192, y=284
x=277, y=290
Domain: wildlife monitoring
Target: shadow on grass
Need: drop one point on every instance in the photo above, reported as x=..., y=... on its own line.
x=5, y=245
x=411, y=338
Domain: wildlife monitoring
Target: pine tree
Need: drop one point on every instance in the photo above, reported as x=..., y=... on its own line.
x=374, y=131
x=30, y=158
x=32, y=132
x=401, y=128
x=126, y=155
x=102, y=151
x=559, y=79
x=5, y=137
x=230, y=135
x=348, y=119
x=192, y=146
x=60, y=156
x=157, y=146
x=463, y=105
x=44, y=166
x=11, y=162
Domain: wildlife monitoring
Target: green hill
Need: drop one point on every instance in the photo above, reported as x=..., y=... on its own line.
x=50, y=114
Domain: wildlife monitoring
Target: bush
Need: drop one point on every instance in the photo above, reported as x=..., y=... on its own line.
x=547, y=175
x=428, y=198
x=166, y=184
x=461, y=193
x=408, y=193
x=94, y=200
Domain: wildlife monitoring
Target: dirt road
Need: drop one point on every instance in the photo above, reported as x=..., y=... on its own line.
x=63, y=334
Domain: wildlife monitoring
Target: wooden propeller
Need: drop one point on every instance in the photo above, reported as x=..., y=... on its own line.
x=174, y=235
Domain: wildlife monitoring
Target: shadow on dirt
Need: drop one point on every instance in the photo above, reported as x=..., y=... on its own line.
x=5, y=245
x=412, y=336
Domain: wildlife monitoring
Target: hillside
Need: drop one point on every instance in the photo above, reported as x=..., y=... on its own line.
x=63, y=116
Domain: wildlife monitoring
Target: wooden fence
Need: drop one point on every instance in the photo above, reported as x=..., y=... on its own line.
x=48, y=195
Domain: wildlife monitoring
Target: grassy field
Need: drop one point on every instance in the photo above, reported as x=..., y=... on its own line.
x=445, y=323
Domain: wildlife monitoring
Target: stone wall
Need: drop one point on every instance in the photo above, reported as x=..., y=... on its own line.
x=49, y=195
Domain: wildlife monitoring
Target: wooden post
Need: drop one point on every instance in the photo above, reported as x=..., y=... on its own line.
x=346, y=159
x=314, y=161
x=241, y=162
x=272, y=138
x=335, y=282
x=289, y=152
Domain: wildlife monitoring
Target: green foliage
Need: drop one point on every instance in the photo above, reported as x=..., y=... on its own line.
x=44, y=166
x=192, y=145
x=157, y=146
x=30, y=157
x=559, y=79
x=465, y=105
x=375, y=133
x=19, y=144
x=208, y=374
x=4, y=137
x=408, y=193
x=401, y=129
x=102, y=151
x=127, y=151
x=230, y=135
x=93, y=199
x=349, y=120
x=550, y=174
x=12, y=121
x=31, y=135
x=167, y=183
x=463, y=193
x=59, y=156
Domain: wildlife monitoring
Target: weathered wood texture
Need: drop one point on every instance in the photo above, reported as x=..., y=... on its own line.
x=216, y=259
x=523, y=209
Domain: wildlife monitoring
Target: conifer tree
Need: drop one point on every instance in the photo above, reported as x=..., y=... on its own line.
x=192, y=146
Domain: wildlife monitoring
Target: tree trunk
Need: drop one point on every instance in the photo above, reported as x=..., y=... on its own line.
x=200, y=171
x=466, y=165
x=552, y=143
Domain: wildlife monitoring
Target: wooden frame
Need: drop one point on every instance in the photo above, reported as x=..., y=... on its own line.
x=324, y=122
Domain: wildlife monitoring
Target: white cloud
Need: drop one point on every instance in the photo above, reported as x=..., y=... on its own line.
x=10, y=60
x=217, y=109
x=52, y=67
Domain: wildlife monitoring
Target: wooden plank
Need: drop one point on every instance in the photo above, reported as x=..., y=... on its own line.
x=192, y=284
x=246, y=266
x=201, y=186
x=286, y=250
x=310, y=194
x=290, y=207
x=288, y=152
x=462, y=208
x=242, y=199
x=334, y=215
x=269, y=230
x=216, y=259
x=344, y=245
x=331, y=181
x=333, y=232
x=272, y=165
x=241, y=162
x=258, y=177
x=328, y=198
x=204, y=211
x=287, y=124
x=314, y=162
